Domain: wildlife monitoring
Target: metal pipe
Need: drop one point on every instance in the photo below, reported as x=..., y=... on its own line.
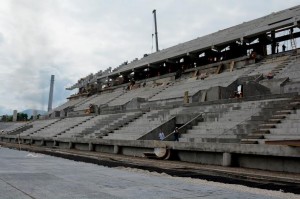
x=51, y=93
x=155, y=24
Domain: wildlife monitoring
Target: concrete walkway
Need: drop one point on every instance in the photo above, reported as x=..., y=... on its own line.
x=31, y=175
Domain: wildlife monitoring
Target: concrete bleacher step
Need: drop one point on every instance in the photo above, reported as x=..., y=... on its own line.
x=248, y=141
x=283, y=112
x=261, y=132
x=267, y=125
x=274, y=121
x=255, y=136
x=278, y=116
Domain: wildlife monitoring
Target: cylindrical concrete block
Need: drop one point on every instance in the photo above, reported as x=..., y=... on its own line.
x=71, y=145
x=15, y=115
x=226, y=159
x=116, y=149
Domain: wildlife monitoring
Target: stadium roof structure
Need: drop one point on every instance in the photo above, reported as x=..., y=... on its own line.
x=246, y=32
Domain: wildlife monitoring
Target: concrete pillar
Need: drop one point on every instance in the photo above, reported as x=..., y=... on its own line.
x=91, y=147
x=34, y=114
x=226, y=159
x=71, y=145
x=55, y=143
x=186, y=97
x=273, y=45
x=116, y=149
x=42, y=142
x=15, y=115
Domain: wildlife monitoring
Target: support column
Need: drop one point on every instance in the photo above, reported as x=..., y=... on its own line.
x=91, y=147
x=116, y=149
x=71, y=145
x=273, y=42
x=226, y=159
x=15, y=115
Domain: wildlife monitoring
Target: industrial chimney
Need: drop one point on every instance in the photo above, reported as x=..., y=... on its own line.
x=155, y=26
x=51, y=93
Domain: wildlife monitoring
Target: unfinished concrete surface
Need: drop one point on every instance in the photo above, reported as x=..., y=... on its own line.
x=31, y=175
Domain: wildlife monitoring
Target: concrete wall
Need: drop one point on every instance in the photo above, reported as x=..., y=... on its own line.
x=254, y=89
x=166, y=127
x=275, y=85
x=200, y=157
x=136, y=152
x=292, y=87
x=259, y=156
x=213, y=94
x=271, y=163
x=104, y=148
x=134, y=103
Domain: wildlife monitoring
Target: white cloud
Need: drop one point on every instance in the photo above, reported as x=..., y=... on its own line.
x=72, y=38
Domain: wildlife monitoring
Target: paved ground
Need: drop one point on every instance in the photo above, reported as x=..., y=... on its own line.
x=29, y=175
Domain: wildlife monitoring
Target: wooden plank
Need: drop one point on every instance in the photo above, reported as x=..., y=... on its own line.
x=219, y=69
x=294, y=143
x=195, y=74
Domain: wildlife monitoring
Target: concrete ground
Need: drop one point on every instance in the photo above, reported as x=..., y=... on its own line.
x=31, y=175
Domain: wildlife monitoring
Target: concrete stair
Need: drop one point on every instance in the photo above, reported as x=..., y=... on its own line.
x=276, y=126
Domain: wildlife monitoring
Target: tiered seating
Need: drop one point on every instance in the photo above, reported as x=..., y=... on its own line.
x=143, y=92
x=141, y=126
x=222, y=122
x=60, y=126
x=195, y=85
x=289, y=129
x=110, y=123
x=99, y=99
x=37, y=125
x=11, y=126
x=67, y=104
x=292, y=71
x=281, y=124
x=267, y=66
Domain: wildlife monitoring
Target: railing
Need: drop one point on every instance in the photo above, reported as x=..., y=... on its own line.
x=185, y=127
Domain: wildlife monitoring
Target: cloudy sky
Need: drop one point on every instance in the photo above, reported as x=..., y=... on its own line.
x=73, y=38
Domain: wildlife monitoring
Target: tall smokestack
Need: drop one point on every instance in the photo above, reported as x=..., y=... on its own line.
x=51, y=93
x=155, y=25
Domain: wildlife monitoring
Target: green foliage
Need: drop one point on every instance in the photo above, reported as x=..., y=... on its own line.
x=9, y=118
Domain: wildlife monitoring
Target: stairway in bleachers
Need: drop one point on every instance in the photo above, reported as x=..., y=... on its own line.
x=141, y=125
x=281, y=124
x=38, y=125
x=100, y=125
x=141, y=92
x=99, y=99
x=227, y=122
x=60, y=126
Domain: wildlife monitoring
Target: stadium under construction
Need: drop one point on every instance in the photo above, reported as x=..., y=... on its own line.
x=232, y=94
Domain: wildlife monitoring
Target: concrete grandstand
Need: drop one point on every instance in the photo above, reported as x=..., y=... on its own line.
x=233, y=94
